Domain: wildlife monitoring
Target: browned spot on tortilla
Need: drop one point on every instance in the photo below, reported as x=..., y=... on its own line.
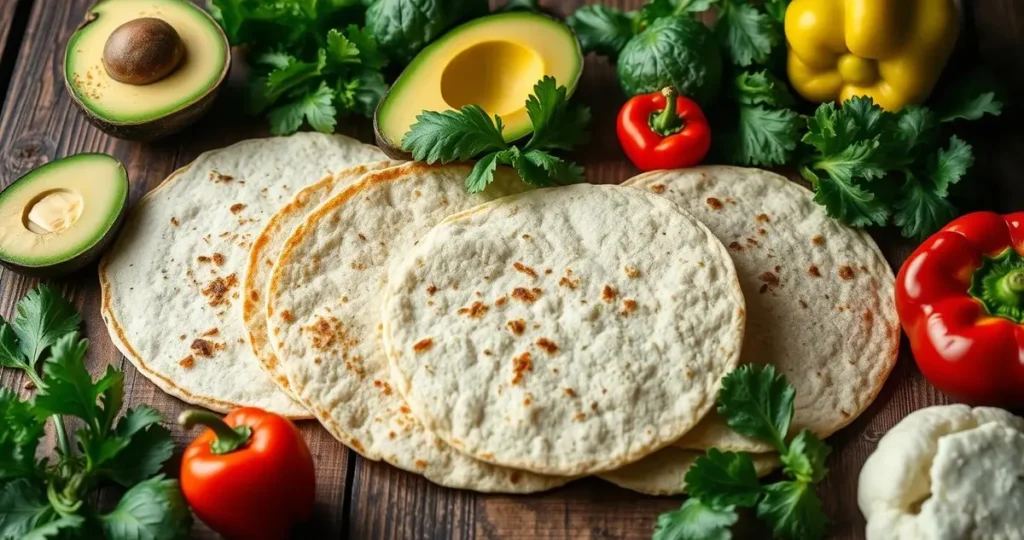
x=548, y=271
x=547, y=345
x=735, y=246
x=632, y=272
x=255, y=295
x=763, y=218
x=846, y=272
x=869, y=317
x=527, y=237
x=488, y=352
x=219, y=178
x=287, y=316
x=520, y=365
x=753, y=243
x=203, y=259
x=517, y=326
x=356, y=445
x=769, y=279
x=658, y=188
x=205, y=348
x=431, y=289
x=844, y=413
x=211, y=332
x=174, y=221
x=569, y=392
x=763, y=289
x=762, y=232
x=501, y=301
x=237, y=207
x=404, y=409
x=391, y=434
x=217, y=291
x=818, y=240
x=593, y=405
x=475, y=311
x=327, y=333
x=520, y=267
x=384, y=387
x=628, y=306
x=356, y=265
x=420, y=464
x=803, y=304
x=579, y=416
x=182, y=337
x=188, y=362
x=571, y=283
x=218, y=259
x=608, y=293
x=361, y=237
x=813, y=271
x=528, y=296
x=527, y=402
x=714, y=203
x=514, y=477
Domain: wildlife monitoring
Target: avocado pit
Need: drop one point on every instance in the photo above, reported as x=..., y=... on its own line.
x=142, y=51
x=53, y=211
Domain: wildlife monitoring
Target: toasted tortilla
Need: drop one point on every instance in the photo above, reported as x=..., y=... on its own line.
x=819, y=294
x=171, y=283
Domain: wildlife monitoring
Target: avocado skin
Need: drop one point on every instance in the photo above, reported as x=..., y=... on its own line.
x=163, y=126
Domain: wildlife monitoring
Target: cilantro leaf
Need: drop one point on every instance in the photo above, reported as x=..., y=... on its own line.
x=804, y=460
x=950, y=166
x=340, y=50
x=20, y=431
x=761, y=88
x=556, y=124
x=972, y=97
x=694, y=6
x=557, y=170
x=793, y=510
x=316, y=107
x=696, y=521
x=10, y=353
x=721, y=479
x=844, y=199
x=453, y=135
x=483, y=172
x=746, y=34
x=370, y=56
x=759, y=136
x=757, y=402
x=53, y=529
x=296, y=73
x=23, y=508
x=914, y=126
x=43, y=317
x=137, y=449
x=777, y=9
x=152, y=509
x=273, y=59
x=920, y=211
x=603, y=30
x=368, y=88
x=68, y=388
x=520, y=5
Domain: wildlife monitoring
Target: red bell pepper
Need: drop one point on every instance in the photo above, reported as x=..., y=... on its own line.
x=960, y=298
x=250, y=475
x=663, y=131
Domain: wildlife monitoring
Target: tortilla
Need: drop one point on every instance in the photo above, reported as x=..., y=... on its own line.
x=266, y=249
x=819, y=294
x=564, y=331
x=664, y=472
x=323, y=309
x=171, y=282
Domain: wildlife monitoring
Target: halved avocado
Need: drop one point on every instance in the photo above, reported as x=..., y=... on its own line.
x=145, y=69
x=61, y=216
x=493, y=62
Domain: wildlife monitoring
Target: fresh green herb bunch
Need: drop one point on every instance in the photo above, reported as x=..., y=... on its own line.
x=758, y=403
x=470, y=134
x=44, y=499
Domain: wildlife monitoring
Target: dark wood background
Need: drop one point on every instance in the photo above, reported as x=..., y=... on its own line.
x=361, y=499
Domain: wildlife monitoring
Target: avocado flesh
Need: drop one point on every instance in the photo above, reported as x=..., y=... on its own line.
x=493, y=62
x=57, y=218
x=202, y=70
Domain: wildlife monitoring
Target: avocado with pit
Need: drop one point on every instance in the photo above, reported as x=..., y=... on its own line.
x=493, y=62
x=60, y=217
x=143, y=70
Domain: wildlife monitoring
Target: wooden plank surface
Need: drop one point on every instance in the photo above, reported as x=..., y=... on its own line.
x=361, y=499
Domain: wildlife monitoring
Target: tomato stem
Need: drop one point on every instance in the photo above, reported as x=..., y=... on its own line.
x=228, y=438
x=667, y=122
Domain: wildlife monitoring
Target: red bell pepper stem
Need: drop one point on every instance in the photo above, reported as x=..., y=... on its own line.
x=667, y=122
x=1010, y=288
x=228, y=439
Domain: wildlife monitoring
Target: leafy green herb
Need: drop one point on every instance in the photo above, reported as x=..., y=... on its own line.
x=603, y=30
x=747, y=33
x=755, y=125
x=404, y=27
x=39, y=499
x=757, y=402
x=469, y=133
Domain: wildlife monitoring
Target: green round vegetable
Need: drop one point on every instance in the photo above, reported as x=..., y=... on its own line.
x=674, y=51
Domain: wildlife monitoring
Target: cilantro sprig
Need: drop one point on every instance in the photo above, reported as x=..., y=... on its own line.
x=468, y=133
x=757, y=402
x=40, y=498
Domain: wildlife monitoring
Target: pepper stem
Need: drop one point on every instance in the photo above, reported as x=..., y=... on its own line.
x=228, y=439
x=1010, y=287
x=667, y=122
x=999, y=285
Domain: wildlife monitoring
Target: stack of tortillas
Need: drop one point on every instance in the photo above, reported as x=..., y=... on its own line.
x=508, y=341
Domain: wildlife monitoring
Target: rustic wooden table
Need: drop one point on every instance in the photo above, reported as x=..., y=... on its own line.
x=362, y=499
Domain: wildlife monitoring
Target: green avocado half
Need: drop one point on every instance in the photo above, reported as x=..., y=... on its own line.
x=145, y=69
x=61, y=216
x=493, y=62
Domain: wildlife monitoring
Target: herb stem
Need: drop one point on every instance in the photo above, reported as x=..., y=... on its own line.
x=58, y=420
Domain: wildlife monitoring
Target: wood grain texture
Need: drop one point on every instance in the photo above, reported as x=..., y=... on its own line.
x=365, y=500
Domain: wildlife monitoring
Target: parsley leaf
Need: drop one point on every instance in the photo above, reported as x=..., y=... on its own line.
x=746, y=34
x=805, y=457
x=68, y=386
x=972, y=97
x=721, y=479
x=793, y=510
x=148, y=446
x=696, y=521
x=757, y=402
x=603, y=30
x=759, y=136
x=10, y=353
x=20, y=431
x=483, y=171
x=23, y=508
x=43, y=317
x=316, y=107
x=448, y=136
x=761, y=88
x=556, y=124
x=340, y=50
x=923, y=208
x=152, y=509
x=843, y=198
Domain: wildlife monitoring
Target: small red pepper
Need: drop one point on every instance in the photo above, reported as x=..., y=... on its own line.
x=960, y=298
x=250, y=475
x=663, y=131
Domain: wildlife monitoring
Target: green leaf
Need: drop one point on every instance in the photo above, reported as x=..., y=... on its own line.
x=483, y=172
x=920, y=211
x=557, y=125
x=453, y=135
x=316, y=107
x=56, y=528
x=292, y=76
x=793, y=510
x=761, y=88
x=694, y=6
x=10, y=352
x=721, y=479
x=149, y=447
x=674, y=51
x=23, y=508
x=759, y=136
x=915, y=126
x=153, y=510
x=369, y=53
x=951, y=165
x=804, y=460
x=696, y=521
x=777, y=9
x=404, y=27
x=972, y=97
x=520, y=5
x=746, y=34
x=43, y=317
x=20, y=430
x=603, y=30
x=340, y=50
x=273, y=59
x=557, y=170
x=844, y=200
x=757, y=402
x=68, y=388
x=230, y=15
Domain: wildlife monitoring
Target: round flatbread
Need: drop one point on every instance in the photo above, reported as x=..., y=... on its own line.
x=564, y=331
x=819, y=294
x=171, y=283
x=323, y=309
x=267, y=248
x=664, y=472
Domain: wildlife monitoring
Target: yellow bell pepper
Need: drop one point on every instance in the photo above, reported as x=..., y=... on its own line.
x=890, y=50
